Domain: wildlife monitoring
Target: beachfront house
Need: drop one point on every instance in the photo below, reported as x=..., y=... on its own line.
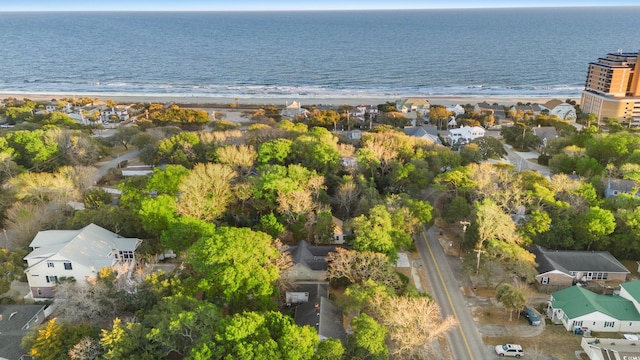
x=561, y=109
x=457, y=109
x=531, y=109
x=465, y=134
x=294, y=109
x=494, y=109
x=409, y=105
x=119, y=113
x=77, y=254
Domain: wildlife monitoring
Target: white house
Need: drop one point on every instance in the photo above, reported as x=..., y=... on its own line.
x=294, y=109
x=560, y=109
x=456, y=109
x=578, y=307
x=77, y=254
x=120, y=112
x=465, y=134
x=354, y=134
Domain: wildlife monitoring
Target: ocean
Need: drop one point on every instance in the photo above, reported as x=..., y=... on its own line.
x=535, y=52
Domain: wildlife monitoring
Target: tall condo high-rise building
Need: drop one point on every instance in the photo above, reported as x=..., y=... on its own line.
x=612, y=89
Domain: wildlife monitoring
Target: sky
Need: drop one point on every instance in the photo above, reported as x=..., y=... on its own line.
x=278, y=5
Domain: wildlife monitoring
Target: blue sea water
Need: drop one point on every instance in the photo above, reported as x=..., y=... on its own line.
x=488, y=52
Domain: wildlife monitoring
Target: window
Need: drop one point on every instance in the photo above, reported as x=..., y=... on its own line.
x=609, y=323
x=126, y=255
x=544, y=281
x=51, y=279
x=39, y=292
x=577, y=323
x=50, y=264
x=67, y=266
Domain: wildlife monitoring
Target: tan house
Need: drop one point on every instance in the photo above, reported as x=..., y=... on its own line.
x=408, y=105
x=338, y=231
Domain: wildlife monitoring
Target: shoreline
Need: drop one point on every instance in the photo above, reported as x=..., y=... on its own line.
x=282, y=100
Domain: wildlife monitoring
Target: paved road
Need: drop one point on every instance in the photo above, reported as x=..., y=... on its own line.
x=521, y=163
x=105, y=166
x=465, y=340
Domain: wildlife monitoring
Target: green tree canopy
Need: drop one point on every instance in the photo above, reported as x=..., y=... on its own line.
x=236, y=266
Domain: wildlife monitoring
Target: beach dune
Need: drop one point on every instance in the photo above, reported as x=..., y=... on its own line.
x=133, y=98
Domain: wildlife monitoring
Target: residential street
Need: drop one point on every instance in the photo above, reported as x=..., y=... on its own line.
x=465, y=341
x=521, y=161
x=113, y=163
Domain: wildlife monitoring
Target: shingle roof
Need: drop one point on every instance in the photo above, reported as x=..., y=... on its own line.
x=311, y=255
x=545, y=132
x=576, y=301
x=326, y=318
x=12, y=328
x=568, y=261
x=553, y=103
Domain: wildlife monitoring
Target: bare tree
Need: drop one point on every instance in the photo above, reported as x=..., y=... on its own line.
x=206, y=191
x=414, y=323
x=41, y=188
x=87, y=349
x=359, y=266
x=8, y=167
x=241, y=158
x=295, y=203
x=24, y=220
x=82, y=177
x=347, y=196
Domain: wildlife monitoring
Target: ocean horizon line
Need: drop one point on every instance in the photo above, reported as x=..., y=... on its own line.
x=460, y=8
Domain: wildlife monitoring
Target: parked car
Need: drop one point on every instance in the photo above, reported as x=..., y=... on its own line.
x=512, y=350
x=531, y=315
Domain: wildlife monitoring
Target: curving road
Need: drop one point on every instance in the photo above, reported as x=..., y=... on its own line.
x=464, y=340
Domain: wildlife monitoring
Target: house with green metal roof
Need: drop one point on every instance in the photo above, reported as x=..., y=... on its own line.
x=578, y=307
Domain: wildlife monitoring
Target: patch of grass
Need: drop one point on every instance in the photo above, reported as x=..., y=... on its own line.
x=632, y=266
x=555, y=340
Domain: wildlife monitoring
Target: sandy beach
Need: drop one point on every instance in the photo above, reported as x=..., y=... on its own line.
x=125, y=99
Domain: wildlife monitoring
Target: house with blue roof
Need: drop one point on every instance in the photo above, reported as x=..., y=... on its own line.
x=577, y=307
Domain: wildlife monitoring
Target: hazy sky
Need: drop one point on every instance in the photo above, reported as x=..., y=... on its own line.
x=261, y=5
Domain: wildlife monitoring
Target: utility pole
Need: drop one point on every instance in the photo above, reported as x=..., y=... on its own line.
x=464, y=224
x=478, y=251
